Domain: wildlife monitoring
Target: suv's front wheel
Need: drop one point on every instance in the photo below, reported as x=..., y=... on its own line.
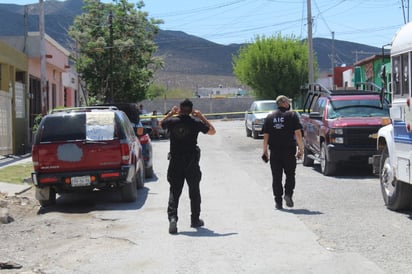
x=248, y=131
x=255, y=134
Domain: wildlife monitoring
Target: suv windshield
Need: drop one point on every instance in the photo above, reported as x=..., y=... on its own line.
x=357, y=108
x=91, y=126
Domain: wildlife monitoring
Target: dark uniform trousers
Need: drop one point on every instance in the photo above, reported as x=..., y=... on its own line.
x=283, y=160
x=184, y=167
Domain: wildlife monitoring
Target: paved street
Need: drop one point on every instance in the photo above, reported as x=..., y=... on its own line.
x=338, y=225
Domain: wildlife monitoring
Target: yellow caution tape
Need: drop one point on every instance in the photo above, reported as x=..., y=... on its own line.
x=211, y=114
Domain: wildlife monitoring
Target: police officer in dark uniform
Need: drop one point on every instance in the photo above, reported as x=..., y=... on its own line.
x=282, y=133
x=184, y=159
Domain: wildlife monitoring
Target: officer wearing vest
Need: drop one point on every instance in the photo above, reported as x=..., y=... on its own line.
x=282, y=133
x=184, y=159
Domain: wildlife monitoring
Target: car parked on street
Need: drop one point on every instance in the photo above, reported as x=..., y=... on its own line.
x=147, y=121
x=86, y=148
x=339, y=125
x=132, y=112
x=255, y=116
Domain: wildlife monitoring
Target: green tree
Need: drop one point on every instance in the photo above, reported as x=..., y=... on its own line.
x=155, y=91
x=273, y=66
x=114, y=50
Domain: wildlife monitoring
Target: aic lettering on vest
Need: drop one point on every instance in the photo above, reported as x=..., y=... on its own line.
x=278, y=122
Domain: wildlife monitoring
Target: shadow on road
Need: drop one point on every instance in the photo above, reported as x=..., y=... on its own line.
x=204, y=232
x=85, y=202
x=350, y=172
x=302, y=211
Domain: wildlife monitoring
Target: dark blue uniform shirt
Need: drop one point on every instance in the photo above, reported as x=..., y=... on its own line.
x=281, y=125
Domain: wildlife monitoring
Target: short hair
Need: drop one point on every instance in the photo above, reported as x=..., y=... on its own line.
x=281, y=99
x=186, y=106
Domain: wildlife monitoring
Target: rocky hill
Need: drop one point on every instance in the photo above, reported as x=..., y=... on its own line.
x=190, y=61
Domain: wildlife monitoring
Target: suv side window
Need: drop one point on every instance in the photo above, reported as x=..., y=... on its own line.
x=319, y=105
x=128, y=126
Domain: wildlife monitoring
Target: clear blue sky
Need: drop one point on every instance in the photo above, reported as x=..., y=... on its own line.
x=371, y=22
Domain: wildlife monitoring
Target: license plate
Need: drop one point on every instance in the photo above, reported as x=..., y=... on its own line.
x=80, y=181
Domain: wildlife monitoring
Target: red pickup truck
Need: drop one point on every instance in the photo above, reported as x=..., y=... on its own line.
x=83, y=149
x=339, y=126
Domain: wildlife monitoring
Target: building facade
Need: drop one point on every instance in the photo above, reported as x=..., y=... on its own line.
x=61, y=83
x=14, y=112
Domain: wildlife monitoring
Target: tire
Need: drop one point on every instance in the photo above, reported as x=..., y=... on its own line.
x=397, y=195
x=51, y=199
x=248, y=132
x=306, y=160
x=326, y=166
x=140, y=176
x=255, y=133
x=149, y=172
x=129, y=192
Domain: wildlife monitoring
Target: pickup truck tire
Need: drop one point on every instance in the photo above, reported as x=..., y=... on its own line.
x=396, y=194
x=327, y=167
x=129, y=192
x=306, y=160
x=51, y=199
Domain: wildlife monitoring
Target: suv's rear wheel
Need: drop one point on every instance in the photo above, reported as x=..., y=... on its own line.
x=140, y=176
x=129, y=192
x=149, y=172
x=326, y=166
x=50, y=195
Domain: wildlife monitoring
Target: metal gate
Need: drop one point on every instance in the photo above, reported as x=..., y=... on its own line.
x=6, y=135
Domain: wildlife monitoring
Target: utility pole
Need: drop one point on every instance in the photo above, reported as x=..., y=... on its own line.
x=405, y=13
x=43, y=83
x=111, y=56
x=333, y=59
x=310, y=43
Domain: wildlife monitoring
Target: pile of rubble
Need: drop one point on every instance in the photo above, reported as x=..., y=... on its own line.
x=12, y=207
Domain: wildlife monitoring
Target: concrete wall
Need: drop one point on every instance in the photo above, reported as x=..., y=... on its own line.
x=214, y=108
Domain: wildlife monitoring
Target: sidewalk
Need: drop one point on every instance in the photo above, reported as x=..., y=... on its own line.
x=9, y=188
x=14, y=159
x=13, y=189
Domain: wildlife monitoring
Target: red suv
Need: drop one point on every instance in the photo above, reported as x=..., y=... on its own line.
x=86, y=148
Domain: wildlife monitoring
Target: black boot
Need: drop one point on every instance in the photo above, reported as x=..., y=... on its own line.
x=197, y=222
x=173, y=225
